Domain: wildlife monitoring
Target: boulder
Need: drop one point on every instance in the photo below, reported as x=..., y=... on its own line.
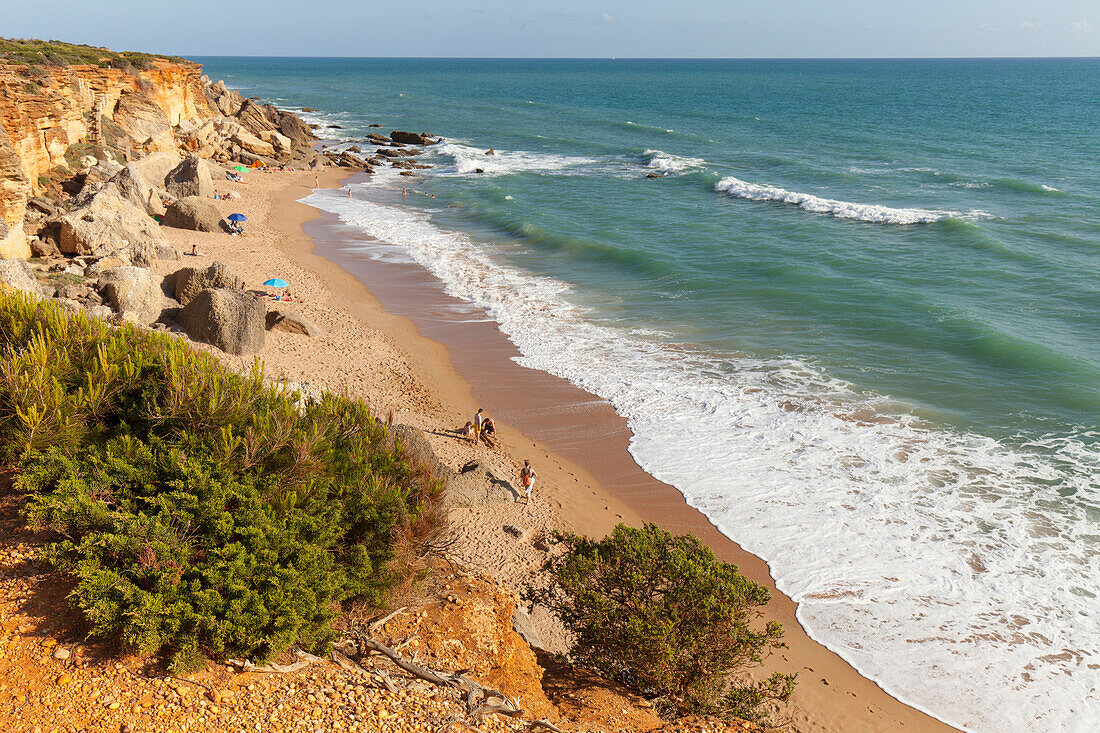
x=44, y=248
x=231, y=320
x=190, y=178
x=410, y=138
x=521, y=622
x=165, y=251
x=18, y=275
x=253, y=144
x=297, y=131
x=188, y=282
x=194, y=213
x=416, y=448
x=254, y=118
x=154, y=168
x=106, y=223
x=281, y=143
x=134, y=292
x=132, y=186
x=281, y=320
x=42, y=205
x=144, y=121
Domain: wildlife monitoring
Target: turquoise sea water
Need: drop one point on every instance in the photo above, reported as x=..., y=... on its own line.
x=856, y=321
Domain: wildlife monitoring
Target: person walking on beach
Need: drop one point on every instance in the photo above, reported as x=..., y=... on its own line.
x=527, y=478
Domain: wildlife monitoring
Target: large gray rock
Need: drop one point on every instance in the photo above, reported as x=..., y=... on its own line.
x=253, y=144
x=154, y=168
x=254, y=118
x=188, y=282
x=194, y=213
x=231, y=320
x=132, y=186
x=299, y=133
x=19, y=275
x=283, y=320
x=190, y=178
x=134, y=292
x=106, y=223
x=521, y=622
x=417, y=449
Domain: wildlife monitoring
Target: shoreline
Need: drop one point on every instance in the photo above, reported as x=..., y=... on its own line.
x=588, y=481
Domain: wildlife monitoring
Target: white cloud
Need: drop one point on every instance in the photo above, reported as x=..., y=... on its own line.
x=1081, y=26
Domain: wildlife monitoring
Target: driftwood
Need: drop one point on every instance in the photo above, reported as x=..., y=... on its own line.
x=304, y=660
x=480, y=700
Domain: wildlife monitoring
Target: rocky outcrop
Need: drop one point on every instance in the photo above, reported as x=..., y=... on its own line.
x=14, y=189
x=106, y=223
x=253, y=144
x=253, y=118
x=146, y=123
x=155, y=168
x=194, y=213
x=283, y=320
x=132, y=186
x=410, y=138
x=231, y=320
x=18, y=275
x=134, y=292
x=188, y=282
x=190, y=178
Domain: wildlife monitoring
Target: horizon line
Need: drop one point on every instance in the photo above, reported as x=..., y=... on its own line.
x=657, y=58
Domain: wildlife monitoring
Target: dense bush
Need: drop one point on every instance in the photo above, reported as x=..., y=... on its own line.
x=201, y=512
x=59, y=53
x=662, y=615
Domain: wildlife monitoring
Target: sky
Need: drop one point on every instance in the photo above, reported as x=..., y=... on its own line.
x=568, y=28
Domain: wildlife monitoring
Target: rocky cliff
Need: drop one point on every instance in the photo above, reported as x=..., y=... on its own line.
x=48, y=113
x=59, y=122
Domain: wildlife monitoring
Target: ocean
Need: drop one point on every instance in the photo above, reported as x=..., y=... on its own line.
x=850, y=309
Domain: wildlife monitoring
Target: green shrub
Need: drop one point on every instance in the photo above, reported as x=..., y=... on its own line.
x=57, y=53
x=662, y=615
x=201, y=512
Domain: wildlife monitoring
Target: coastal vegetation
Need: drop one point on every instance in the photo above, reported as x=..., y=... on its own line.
x=34, y=53
x=201, y=513
x=659, y=613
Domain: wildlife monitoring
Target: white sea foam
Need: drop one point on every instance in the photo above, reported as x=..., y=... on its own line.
x=1049, y=189
x=468, y=159
x=668, y=163
x=843, y=209
x=945, y=566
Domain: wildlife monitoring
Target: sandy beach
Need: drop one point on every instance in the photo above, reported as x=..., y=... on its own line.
x=394, y=338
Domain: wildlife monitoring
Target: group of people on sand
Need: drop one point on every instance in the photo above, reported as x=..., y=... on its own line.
x=482, y=429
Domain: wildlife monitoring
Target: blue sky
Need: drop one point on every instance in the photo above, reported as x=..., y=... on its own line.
x=518, y=28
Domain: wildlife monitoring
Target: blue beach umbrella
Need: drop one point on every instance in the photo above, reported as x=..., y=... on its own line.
x=237, y=217
x=277, y=283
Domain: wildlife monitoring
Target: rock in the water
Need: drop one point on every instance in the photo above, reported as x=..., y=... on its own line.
x=106, y=222
x=19, y=275
x=188, y=282
x=521, y=622
x=410, y=138
x=231, y=320
x=281, y=320
x=190, y=178
x=135, y=292
x=194, y=213
x=490, y=151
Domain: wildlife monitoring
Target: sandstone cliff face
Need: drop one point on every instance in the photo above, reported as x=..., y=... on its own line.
x=42, y=116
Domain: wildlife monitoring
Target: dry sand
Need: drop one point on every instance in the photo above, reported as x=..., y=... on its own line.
x=434, y=372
